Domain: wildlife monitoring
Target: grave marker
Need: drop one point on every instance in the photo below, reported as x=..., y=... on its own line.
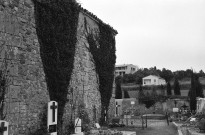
x=78, y=128
x=4, y=127
x=97, y=125
x=52, y=117
x=175, y=109
x=116, y=108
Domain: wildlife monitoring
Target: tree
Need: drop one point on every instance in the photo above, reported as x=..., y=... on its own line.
x=141, y=94
x=192, y=93
x=176, y=87
x=166, y=74
x=118, y=91
x=201, y=73
x=169, y=89
x=162, y=90
x=126, y=95
x=199, y=89
x=128, y=78
x=154, y=93
x=139, y=75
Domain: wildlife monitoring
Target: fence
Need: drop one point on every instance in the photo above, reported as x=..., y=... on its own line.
x=149, y=119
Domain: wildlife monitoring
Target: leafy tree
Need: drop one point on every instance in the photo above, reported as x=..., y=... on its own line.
x=166, y=74
x=128, y=78
x=169, y=89
x=192, y=93
x=201, y=73
x=139, y=75
x=188, y=73
x=176, y=87
x=118, y=91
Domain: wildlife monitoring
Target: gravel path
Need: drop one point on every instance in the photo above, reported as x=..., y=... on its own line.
x=158, y=127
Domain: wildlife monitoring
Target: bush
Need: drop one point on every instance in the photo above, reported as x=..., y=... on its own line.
x=201, y=125
x=115, y=123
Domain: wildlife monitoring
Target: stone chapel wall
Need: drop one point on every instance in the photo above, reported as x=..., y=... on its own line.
x=26, y=94
x=84, y=79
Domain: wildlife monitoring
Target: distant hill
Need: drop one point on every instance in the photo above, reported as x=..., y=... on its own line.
x=187, y=80
x=185, y=85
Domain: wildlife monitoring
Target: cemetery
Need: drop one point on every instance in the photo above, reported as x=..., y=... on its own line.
x=57, y=76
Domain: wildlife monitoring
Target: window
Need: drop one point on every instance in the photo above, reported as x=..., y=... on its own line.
x=147, y=81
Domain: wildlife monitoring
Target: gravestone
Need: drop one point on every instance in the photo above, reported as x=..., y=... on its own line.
x=52, y=117
x=116, y=109
x=78, y=128
x=175, y=109
x=4, y=127
x=97, y=125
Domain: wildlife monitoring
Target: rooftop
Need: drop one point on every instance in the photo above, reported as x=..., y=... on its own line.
x=125, y=65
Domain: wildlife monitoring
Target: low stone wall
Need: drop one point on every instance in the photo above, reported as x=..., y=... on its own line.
x=132, y=122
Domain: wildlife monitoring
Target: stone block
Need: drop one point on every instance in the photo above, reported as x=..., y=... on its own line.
x=14, y=91
x=16, y=41
x=1, y=21
x=14, y=70
x=14, y=107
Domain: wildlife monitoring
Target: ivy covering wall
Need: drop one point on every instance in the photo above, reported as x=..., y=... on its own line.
x=56, y=27
x=102, y=47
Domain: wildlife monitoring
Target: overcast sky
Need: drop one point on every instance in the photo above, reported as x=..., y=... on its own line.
x=163, y=33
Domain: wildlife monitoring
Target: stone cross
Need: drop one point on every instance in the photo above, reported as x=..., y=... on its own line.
x=53, y=108
x=52, y=117
x=116, y=108
x=4, y=127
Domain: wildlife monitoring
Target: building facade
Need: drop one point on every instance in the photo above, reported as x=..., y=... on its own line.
x=125, y=69
x=153, y=80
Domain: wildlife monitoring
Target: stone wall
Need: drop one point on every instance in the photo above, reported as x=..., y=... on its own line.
x=139, y=109
x=26, y=93
x=84, y=80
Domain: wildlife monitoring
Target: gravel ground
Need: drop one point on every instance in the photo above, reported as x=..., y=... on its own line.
x=158, y=127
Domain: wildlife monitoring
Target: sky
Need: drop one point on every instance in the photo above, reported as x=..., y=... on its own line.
x=163, y=33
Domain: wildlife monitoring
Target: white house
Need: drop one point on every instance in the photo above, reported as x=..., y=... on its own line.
x=125, y=69
x=153, y=80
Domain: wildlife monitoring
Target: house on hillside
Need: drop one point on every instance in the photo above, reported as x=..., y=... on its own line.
x=153, y=80
x=125, y=69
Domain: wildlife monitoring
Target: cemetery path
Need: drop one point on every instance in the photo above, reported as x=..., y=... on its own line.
x=158, y=127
